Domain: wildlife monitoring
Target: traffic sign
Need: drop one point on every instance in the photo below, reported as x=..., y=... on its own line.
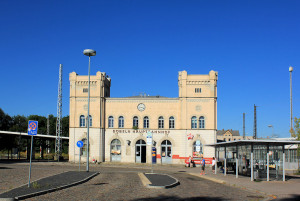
x=79, y=144
x=149, y=138
x=32, y=127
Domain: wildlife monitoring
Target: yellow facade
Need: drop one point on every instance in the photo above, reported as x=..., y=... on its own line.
x=178, y=125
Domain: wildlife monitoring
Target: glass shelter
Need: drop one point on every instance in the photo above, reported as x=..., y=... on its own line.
x=259, y=159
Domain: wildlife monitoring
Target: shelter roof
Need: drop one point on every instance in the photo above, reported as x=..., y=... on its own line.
x=254, y=142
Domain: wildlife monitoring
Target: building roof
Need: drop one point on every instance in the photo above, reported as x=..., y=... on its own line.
x=233, y=132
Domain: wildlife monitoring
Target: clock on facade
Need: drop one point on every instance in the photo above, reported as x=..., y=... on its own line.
x=141, y=107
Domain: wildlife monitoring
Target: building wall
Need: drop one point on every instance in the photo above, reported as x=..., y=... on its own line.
x=197, y=97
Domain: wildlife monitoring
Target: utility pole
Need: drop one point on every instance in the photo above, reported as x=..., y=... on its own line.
x=291, y=102
x=255, y=126
x=244, y=135
x=59, y=116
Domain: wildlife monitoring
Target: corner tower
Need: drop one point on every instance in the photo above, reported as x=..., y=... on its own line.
x=100, y=89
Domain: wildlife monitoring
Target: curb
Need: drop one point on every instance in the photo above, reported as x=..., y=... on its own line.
x=55, y=189
x=208, y=178
x=146, y=182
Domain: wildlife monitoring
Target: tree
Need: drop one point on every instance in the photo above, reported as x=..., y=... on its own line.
x=19, y=124
x=297, y=135
x=5, y=121
x=65, y=126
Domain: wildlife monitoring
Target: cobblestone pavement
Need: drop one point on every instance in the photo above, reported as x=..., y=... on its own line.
x=127, y=186
x=121, y=182
x=13, y=175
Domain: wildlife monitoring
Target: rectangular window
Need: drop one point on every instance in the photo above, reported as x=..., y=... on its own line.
x=197, y=90
x=85, y=90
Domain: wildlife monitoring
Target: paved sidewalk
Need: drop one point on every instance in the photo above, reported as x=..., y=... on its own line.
x=49, y=184
x=279, y=190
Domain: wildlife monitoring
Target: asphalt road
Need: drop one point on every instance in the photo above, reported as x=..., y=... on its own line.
x=123, y=183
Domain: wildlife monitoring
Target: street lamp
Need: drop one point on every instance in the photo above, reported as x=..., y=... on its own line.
x=88, y=52
x=291, y=103
x=272, y=129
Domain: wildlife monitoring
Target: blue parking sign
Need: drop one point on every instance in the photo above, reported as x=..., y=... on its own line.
x=32, y=127
x=79, y=144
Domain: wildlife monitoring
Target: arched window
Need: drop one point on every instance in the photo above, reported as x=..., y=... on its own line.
x=172, y=122
x=201, y=122
x=121, y=122
x=110, y=122
x=82, y=121
x=135, y=122
x=146, y=122
x=194, y=122
x=91, y=121
x=160, y=122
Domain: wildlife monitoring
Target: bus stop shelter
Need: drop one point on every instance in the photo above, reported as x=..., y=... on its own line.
x=259, y=159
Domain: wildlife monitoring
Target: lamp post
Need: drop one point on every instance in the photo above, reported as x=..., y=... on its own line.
x=291, y=103
x=272, y=129
x=88, y=52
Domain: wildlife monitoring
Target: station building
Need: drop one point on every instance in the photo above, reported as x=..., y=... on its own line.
x=119, y=127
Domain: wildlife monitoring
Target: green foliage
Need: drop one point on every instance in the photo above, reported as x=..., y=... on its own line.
x=5, y=121
x=297, y=132
x=36, y=185
x=65, y=126
x=19, y=123
x=297, y=128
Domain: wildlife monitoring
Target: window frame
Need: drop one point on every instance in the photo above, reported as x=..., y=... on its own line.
x=135, y=121
x=201, y=122
x=110, y=122
x=161, y=122
x=171, y=122
x=194, y=122
x=82, y=121
x=121, y=122
x=146, y=122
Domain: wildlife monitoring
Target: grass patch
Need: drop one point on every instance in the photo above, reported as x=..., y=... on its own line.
x=36, y=185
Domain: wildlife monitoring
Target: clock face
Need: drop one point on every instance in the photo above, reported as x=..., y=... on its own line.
x=141, y=107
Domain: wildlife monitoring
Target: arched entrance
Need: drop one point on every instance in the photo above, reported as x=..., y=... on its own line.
x=115, y=150
x=140, y=151
x=166, y=152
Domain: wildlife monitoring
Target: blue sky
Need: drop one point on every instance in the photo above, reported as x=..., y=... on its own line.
x=142, y=45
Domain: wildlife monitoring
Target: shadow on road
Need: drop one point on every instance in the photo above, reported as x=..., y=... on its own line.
x=180, y=199
x=293, y=198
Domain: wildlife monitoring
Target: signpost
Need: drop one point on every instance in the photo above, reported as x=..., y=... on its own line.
x=198, y=146
x=32, y=130
x=149, y=142
x=79, y=145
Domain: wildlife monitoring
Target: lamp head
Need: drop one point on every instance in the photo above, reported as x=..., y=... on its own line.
x=89, y=52
x=291, y=69
x=270, y=125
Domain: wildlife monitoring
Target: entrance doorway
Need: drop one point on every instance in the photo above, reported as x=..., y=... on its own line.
x=166, y=152
x=140, y=151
